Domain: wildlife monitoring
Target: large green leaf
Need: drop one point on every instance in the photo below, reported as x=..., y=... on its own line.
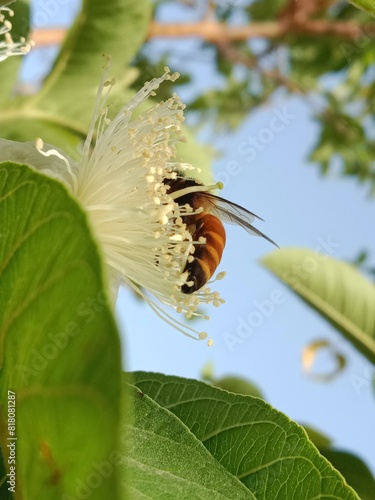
x=165, y=460
x=59, y=348
x=66, y=99
x=335, y=289
x=268, y=452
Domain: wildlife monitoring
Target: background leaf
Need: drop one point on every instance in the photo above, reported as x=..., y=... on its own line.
x=271, y=454
x=114, y=28
x=230, y=383
x=60, y=112
x=367, y=5
x=335, y=289
x=59, y=347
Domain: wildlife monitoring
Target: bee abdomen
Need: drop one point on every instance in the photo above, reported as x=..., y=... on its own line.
x=207, y=255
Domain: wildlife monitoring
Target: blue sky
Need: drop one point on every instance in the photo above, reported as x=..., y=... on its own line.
x=300, y=208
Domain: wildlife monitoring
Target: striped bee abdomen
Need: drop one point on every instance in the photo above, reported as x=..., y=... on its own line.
x=207, y=255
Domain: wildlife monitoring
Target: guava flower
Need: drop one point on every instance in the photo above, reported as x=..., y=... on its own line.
x=8, y=47
x=120, y=181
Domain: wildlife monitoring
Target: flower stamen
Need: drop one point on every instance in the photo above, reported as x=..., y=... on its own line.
x=122, y=182
x=39, y=144
x=195, y=189
x=8, y=47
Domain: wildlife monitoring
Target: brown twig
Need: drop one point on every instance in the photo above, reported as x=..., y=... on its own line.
x=48, y=36
x=215, y=32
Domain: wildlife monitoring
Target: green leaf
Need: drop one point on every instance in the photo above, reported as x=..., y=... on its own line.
x=355, y=471
x=261, y=10
x=24, y=125
x=230, y=383
x=268, y=452
x=335, y=289
x=66, y=100
x=165, y=460
x=59, y=347
x=366, y=5
x=116, y=28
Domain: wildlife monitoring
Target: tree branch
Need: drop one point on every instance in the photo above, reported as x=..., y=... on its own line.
x=48, y=36
x=215, y=32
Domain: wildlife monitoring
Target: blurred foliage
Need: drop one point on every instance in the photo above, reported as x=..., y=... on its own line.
x=367, y=5
x=362, y=261
x=333, y=73
x=230, y=383
x=334, y=289
x=61, y=110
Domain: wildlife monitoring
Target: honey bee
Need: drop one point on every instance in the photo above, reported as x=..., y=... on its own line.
x=206, y=226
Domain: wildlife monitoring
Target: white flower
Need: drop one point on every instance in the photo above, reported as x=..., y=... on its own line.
x=8, y=47
x=120, y=182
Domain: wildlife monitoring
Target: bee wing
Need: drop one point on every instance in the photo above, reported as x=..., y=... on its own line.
x=235, y=214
